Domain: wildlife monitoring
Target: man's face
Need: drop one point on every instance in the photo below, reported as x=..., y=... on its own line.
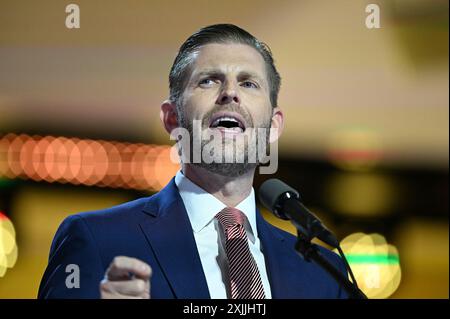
x=228, y=92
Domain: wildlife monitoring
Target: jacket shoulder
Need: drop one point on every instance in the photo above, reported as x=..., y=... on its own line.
x=115, y=212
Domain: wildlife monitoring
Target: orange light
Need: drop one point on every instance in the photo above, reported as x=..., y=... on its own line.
x=26, y=158
x=114, y=165
x=38, y=158
x=14, y=156
x=100, y=162
x=74, y=163
x=85, y=162
x=148, y=168
x=55, y=160
x=4, y=146
x=127, y=157
x=137, y=164
x=165, y=169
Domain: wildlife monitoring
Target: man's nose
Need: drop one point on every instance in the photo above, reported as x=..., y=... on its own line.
x=229, y=94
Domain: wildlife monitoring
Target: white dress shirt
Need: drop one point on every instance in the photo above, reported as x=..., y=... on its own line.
x=201, y=208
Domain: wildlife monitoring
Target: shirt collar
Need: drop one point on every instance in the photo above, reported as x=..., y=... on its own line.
x=202, y=207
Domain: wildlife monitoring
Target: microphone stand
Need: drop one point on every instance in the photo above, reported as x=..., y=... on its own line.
x=310, y=252
x=287, y=205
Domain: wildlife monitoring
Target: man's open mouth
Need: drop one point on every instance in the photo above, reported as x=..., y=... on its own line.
x=229, y=122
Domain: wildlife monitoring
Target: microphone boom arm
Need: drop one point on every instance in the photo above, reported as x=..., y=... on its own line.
x=310, y=252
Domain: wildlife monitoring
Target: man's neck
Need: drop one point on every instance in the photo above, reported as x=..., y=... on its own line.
x=229, y=190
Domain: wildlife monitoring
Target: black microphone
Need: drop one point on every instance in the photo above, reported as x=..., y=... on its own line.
x=285, y=203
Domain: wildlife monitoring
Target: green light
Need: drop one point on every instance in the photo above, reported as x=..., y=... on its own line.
x=372, y=259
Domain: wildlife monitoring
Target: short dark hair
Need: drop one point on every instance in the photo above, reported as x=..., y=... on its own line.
x=219, y=33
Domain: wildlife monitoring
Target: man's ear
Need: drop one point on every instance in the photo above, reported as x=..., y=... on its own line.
x=277, y=124
x=168, y=115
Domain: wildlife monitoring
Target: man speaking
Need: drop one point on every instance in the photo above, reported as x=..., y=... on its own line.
x=201, y=236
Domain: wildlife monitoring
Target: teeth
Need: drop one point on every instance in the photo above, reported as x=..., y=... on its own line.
x=216, y=122
x=226, y=118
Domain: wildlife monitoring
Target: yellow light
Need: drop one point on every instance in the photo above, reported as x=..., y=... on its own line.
x=361, y=194
x=375, y=264
x=8, y=246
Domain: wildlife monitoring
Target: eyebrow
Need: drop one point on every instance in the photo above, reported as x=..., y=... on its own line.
x=212, y=72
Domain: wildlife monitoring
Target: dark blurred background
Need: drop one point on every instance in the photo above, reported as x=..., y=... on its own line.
x=366, y=138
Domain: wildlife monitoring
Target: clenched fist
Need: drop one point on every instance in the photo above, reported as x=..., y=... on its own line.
x=126, y=278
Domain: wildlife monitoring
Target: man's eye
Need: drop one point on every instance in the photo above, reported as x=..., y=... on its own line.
x=206, y=81
x=249, y=84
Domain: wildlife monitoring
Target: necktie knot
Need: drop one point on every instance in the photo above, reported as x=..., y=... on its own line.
x=229, y=217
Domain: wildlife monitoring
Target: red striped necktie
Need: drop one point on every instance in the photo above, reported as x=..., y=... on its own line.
x=245, y=280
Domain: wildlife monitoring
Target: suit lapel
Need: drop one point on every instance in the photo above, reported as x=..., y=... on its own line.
x=283, y=264
x=170, y=235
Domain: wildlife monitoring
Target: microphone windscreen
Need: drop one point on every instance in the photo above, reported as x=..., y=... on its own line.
x=271, y=190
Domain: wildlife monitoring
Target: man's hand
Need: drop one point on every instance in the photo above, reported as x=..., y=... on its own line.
x=126, y=278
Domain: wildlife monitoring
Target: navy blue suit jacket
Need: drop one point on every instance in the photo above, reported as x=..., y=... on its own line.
x=157, y=230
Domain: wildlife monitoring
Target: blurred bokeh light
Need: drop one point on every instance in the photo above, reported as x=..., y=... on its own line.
x=8, y=245
x=375, y=264
x=86, y=162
